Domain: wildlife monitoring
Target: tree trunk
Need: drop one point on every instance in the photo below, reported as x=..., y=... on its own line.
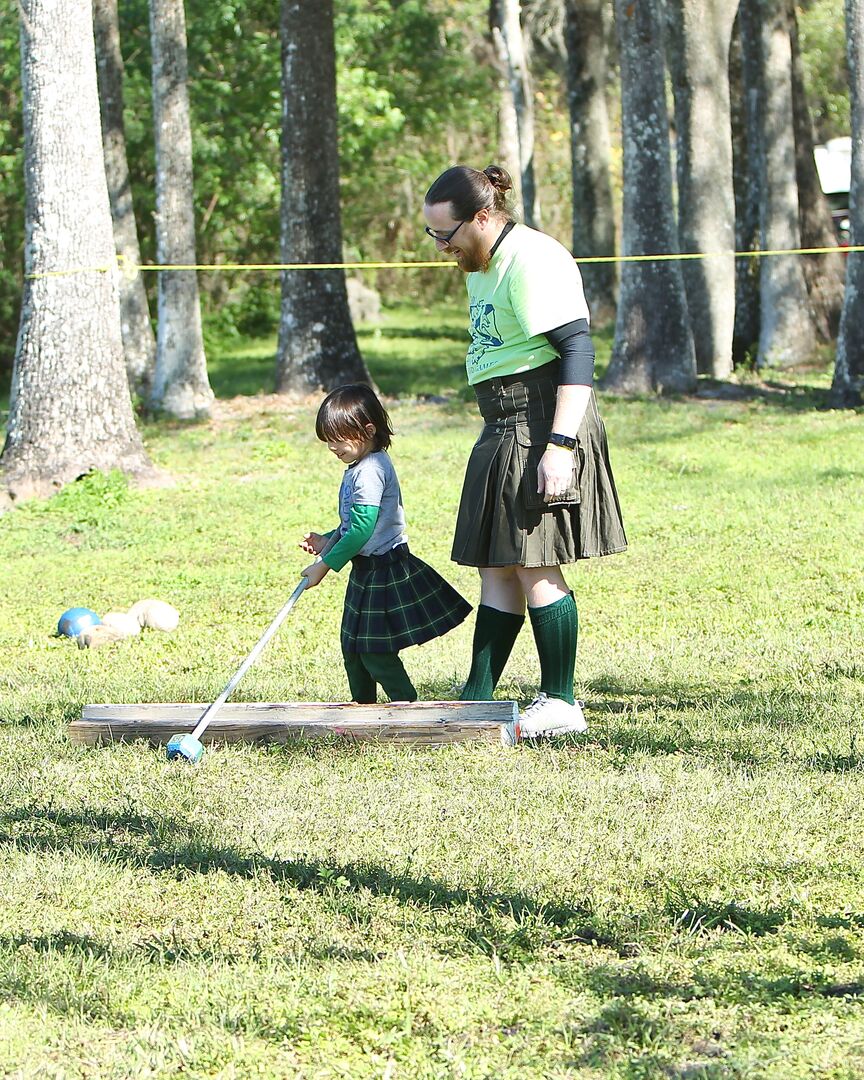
x=590, y=151
x=653, y=347
x=848, y=385
x=745, y=175
x=317, y=344
x=698, y=51
x=70, y=410
x=505, y=22
x=180, y=384
x=139, y=344
x=786, y=335
x=823, y=273
x=508, y=122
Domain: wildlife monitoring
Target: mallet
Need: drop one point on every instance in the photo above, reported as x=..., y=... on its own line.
x=189, y=746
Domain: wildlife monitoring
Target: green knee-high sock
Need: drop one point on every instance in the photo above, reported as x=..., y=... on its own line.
x=388, y=670
x=494, y=635
x=360, y=682
x=556, y=628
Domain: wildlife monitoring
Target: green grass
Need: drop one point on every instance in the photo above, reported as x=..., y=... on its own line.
x=418, y=352
x=680, y=894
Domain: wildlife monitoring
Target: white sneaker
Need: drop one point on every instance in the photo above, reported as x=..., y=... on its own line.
x=550, y=716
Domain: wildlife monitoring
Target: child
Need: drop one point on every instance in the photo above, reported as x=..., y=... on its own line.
x=393, y=599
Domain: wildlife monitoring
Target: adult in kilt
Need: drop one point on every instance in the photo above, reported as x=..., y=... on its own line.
x=393, y=599
x=538, y=490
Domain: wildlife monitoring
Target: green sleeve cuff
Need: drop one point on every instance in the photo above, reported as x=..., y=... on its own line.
x=361, y=525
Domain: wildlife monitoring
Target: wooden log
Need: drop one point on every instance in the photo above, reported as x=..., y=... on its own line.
x=419, y=723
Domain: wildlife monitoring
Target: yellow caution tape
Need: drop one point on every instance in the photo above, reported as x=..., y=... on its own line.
x=130, y=269
x=716, y=255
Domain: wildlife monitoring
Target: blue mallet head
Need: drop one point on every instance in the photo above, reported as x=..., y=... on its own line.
x=76, y=620
x=184, y=746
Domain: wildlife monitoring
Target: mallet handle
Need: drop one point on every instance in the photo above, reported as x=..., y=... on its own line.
x=211, y=710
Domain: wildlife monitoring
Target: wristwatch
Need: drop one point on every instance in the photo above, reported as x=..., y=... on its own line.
x=562, y=440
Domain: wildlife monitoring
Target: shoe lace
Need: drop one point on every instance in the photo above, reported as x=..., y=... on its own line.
x=536, y=705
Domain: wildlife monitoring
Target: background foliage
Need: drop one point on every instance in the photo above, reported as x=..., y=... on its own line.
x=416, y=93
x=825, y=70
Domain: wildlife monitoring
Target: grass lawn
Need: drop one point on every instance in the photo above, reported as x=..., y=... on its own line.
x=678, y=894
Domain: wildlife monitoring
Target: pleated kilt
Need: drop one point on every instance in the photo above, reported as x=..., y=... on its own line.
x=502, y=521
x=396, y=600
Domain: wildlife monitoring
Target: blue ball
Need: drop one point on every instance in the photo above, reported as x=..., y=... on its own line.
x=76, y=620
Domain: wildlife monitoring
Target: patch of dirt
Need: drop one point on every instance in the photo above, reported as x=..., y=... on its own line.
x=245, y=407
x=772, y=391
x=249, y=407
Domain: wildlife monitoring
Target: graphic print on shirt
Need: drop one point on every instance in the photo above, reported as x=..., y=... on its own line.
x=484, y=332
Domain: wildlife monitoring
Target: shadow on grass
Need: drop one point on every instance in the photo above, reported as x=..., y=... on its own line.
x=792, y=397
x=242, y=372
x=418, y=333
x=158, y=949
x=627, y=744
x=631, y=980
x=697, y=918
x=726, y=724
x=59, y=942
x=748, y=727
x=509, y=925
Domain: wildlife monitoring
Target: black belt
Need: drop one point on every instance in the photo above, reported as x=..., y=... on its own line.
x=367, y=562
x=545, y=371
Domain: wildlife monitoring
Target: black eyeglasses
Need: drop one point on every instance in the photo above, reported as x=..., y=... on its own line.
x=447, y=237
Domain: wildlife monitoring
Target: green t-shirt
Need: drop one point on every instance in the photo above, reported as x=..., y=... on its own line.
x=532, y=285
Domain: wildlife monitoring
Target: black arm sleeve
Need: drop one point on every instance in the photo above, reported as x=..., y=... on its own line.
x=576, y=349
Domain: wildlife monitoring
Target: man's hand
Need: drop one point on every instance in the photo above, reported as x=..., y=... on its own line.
x=315, y=573
x=313, y=543
x=554, y=473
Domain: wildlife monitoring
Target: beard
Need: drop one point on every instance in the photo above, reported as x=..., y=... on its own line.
x=473, y=262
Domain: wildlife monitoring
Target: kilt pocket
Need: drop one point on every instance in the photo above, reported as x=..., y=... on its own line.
x=531, y=446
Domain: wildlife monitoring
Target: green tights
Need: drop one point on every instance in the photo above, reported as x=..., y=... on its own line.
x=368, y=670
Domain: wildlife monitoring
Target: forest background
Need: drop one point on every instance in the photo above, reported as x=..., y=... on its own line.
x=417, y=90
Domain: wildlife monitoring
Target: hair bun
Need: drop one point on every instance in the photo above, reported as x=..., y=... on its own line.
x=499, y=178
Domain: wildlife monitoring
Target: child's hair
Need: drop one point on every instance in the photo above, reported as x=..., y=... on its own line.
x=346, y=411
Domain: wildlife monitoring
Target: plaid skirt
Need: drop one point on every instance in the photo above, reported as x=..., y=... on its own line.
x=396, y=600
x=502, y=521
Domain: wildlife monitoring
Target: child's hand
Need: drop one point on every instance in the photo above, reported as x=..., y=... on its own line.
x=315, y=573
x=313, y=543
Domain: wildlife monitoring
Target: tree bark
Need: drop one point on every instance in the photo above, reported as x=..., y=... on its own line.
x=653, y=347
x=698, y=50
x=180, y=384
x=786, y=335
x=505, y=22
x=848, y=385
x=745, y=175
x=139, y=344
x=508, y=122
x=823, y=274
x=70, y=410
x=317, y=344
x=590, y=151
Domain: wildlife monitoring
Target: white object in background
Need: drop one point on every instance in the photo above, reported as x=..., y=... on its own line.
x=834, y=165
x=127, y=625
x=156, y=614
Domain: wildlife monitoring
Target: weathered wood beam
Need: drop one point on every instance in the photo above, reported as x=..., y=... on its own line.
x=422, y=723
